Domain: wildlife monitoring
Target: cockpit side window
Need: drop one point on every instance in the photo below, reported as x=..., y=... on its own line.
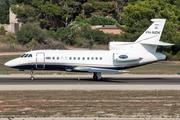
x=23, y=55
x=26, y=55
x=30, y=55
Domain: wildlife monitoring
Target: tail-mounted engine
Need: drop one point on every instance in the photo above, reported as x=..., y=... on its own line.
x=125, y=57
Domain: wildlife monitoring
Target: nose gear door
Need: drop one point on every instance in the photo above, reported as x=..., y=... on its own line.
x=40, y=61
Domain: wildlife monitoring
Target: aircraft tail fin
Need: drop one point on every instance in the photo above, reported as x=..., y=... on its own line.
x=150, y=38
x=154, y=32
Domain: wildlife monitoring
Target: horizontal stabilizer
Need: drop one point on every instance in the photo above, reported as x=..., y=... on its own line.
x=156, y=43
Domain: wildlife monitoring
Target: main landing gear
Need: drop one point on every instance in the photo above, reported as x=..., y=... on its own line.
x=97, y=76
x=31, y=78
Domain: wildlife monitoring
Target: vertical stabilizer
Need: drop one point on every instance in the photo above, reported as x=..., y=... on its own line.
x=147, y=42
x=154, y=32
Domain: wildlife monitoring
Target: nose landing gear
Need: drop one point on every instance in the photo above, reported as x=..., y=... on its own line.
x=31, y=72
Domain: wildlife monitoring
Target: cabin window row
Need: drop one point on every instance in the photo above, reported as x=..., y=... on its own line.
x=85, y=58
x=77, y=58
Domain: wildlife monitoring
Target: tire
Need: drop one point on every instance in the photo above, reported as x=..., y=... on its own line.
x=32, y=78
x=95, y=77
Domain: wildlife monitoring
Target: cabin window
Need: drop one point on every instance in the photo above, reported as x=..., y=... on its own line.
x=100, y=58
x=74, y=58
x=30, y=55
x=48, y=58
x=70, y=58
x=23, y=55
x=92, y=58
x=96, y=58
x=83, y=58
x=61, y=57
x=53, y=58
x=26, y=55
x=57, y=58
x=123, y=56
x=87, y=58
x=78, y=58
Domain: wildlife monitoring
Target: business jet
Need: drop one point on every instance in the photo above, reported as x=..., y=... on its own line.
x=120, y=56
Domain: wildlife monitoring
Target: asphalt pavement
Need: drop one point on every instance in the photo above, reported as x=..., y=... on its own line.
x=85, y=82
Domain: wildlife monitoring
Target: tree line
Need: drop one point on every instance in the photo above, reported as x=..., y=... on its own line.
x=4, y=11
x=58, y=16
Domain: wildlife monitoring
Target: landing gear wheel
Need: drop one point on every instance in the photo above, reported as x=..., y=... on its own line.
x=95, y=77
x=32, y=78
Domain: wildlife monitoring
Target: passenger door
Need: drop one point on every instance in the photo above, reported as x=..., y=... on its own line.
x=40, y=60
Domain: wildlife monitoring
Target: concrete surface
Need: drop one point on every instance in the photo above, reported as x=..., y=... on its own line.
x=109, y=82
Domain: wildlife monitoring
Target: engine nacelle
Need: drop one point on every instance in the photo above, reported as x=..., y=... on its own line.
x=125, y=57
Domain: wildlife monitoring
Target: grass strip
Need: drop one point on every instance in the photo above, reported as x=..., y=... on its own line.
x=83, y=103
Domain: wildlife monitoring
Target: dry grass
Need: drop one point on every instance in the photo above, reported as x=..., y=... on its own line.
x=1, y=37
x=76, y=103
x=100, y=47
x=161, y=67
x=12, y=48
x=94, y=47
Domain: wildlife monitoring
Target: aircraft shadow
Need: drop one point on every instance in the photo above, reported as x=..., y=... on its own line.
x=88, y=80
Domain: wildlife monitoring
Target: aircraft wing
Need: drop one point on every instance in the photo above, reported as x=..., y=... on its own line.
x=91, y=69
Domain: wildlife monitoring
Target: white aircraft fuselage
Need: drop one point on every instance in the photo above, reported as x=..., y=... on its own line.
x=67, y=60
x=121, y=55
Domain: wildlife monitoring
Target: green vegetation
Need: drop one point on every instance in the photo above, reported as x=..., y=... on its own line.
x=4, y=11
x=67, y=21
x=100, y=20
x=101, y=8
x=94, y=20
x=2, y=30
x=49, y=13
x=137, y=18
x=82, y=37
x=10, y=39
x=30, y=33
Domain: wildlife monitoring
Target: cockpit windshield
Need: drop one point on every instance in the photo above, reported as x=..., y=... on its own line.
x=26, y=55
x=30, y=55
x=23, y=55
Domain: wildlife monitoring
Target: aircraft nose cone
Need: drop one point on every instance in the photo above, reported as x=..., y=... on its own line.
x=7, y=64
